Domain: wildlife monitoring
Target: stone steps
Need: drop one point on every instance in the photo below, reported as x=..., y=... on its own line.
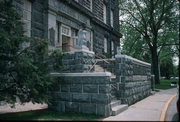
x=117, y=107
x=98, y=68
x=113, y=97
x=115, y=103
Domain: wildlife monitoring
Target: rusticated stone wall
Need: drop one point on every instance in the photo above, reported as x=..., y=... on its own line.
x=79, y=61
x=74, y=62
x=133, y=79
x=81, y=92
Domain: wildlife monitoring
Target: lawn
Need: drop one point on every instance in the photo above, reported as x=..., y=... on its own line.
x=50, y=115
x=165, y=84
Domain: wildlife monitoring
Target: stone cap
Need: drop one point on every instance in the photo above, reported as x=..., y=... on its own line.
x=80, y=50
x=81, y=74
x=134, y=59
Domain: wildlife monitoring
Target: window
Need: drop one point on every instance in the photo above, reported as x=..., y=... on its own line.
x=111, y=19
x=90, y=1
x=112, y=47
x=67, y=44
x=104, y=13
x=74, y=34
x=67, y=38
x=105, y=45
x=65, y=30
x=89, y=40
x=87, y=4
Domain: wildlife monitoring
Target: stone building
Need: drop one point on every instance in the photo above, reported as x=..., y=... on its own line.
x=87, y=30
x=61, y=20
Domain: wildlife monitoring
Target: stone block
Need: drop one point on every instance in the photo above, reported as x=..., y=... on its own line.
x=65, y=88
x=122, y=79
x=79, y=66
x=90, y=88
x=91, y=55
x=100, y=98
x=92, y=80
x=54, y=95
x=68, y=56
x=71, y=107
x=81, y=97
x=88, y=108
x=71, y=62
x=76, y=88
x=65, y=62
x=103, y=109
x=57, y=106
x=78, y=61
x=104, y=88
x=64, y=96
x=73, y=68
x=118, y=60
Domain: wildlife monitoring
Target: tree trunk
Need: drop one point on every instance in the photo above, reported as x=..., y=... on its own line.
x=155, y=64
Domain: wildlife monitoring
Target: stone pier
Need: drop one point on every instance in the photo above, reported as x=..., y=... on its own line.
x=82, y=92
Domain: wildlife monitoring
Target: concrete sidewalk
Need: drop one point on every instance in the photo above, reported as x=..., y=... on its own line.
x=148, y=109
x=21, y=108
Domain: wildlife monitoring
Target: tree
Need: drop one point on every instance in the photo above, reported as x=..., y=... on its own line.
x=24, y=71
x=133, y=44
x=166, y=62
x=155, y=21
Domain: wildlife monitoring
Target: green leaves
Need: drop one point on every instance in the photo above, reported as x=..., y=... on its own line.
x=149, y=26
x=24, y=71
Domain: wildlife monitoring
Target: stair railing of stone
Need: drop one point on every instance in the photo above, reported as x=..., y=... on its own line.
x=113, y=85
x=92, y=66
x=96, y=63
x=101, y=59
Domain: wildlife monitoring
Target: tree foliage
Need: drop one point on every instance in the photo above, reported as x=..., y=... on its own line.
x=150, y=25
x=24, y=71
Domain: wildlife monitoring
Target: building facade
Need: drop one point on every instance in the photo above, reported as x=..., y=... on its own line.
x=61, y=20
x=86, y=84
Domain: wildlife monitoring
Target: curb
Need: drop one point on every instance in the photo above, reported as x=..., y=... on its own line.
x=164, y=111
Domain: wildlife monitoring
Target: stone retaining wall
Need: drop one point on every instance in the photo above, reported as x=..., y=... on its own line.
x=81, y=92
x=133, y=79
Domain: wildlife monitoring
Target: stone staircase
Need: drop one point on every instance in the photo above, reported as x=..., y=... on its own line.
x=116, y=105
x=99, y=68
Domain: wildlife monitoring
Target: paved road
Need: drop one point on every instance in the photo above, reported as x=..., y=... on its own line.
x=172, y=114
x=148, y=109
